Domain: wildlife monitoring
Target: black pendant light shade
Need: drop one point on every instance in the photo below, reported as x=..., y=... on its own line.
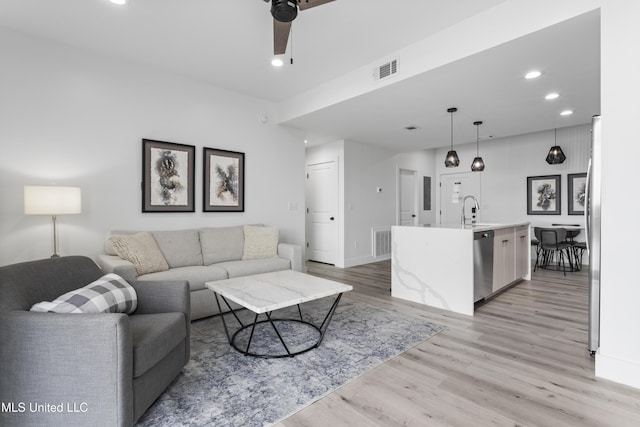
x=452, y=160
x=478, y=164
x=555, y=156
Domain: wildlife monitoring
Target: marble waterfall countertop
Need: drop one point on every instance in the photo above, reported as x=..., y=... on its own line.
x=473, y=227
x=434, y=265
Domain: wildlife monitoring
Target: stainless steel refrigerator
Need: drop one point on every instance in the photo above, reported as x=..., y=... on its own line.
x=592, y=222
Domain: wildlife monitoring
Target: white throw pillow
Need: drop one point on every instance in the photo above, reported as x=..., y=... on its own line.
x=141, y=250
x=109, y=294
x=260, y=242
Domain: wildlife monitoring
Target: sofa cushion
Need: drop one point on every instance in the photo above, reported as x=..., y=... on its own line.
x=254, y=266
x=260, y=242
x=179, y=247
x=109, y=294
x=153, y=337
x=221, y=244
x=141, y=250
x=197, y=275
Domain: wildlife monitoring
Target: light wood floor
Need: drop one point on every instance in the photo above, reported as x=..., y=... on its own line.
x=522, y=360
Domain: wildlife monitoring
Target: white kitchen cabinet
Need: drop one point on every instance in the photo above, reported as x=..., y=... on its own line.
x=510, y=256
x=523, y=245
x=504, y=258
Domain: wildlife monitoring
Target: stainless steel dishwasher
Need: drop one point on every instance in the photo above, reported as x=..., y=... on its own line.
x=482, y=264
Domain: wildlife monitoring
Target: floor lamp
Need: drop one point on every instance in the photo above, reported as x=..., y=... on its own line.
x=54, y=201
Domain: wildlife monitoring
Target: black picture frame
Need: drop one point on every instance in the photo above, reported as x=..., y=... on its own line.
x=168, y=176
x=576, y=194
x=544, y=195
x=223, y=178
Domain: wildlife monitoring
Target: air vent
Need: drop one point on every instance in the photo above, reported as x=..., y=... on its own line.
x=386, y=70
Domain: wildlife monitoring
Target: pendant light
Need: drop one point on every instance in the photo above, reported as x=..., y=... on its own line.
x=555, y=156
x=452, y=160
x=478, y=164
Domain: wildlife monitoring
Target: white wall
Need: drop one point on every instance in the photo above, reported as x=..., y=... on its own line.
x=508, y=163
x=366, y=169
x=619, y=355
x=72, y=118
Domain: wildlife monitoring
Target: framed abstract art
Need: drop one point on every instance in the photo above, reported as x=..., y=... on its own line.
x=168, y=177
x=577, y=185
x=543, y=195
x=223, y=189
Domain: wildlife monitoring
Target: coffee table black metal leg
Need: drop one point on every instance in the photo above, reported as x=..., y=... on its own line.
x=222, y=314
x=327, y=319
x=253, y=328
x=278, y=333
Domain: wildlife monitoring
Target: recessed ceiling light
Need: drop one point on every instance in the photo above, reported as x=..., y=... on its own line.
x=552, y=95
x=532, y=74
x=277, y=62
x=566, y=113
x=306, y=141
x=118, y=1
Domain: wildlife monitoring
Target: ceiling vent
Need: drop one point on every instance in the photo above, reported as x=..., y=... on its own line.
x=386, y=70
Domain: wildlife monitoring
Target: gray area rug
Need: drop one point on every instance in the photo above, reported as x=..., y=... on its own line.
x=222, y=387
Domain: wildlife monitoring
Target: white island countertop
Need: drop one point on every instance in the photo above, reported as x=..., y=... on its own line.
x=434, y=264
x=471, y=227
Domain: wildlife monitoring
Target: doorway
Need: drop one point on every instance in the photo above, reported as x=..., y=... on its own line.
x=322, y=208
x=407, y=198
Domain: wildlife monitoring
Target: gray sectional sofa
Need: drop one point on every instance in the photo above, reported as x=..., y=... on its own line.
x=203, y=255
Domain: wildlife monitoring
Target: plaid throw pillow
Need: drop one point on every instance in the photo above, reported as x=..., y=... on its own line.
x=109, y=294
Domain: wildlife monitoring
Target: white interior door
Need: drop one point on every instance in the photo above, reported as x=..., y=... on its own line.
x=322, y=209
x=453, y=189
x=408, y=213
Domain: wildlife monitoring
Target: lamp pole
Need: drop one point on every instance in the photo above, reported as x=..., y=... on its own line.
x=55, y=238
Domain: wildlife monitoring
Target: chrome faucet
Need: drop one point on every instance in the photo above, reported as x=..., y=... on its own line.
x=463, y=218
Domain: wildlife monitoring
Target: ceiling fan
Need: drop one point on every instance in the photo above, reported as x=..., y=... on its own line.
x=284, y=12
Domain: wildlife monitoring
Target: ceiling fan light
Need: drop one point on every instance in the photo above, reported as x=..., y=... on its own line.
x=284, y=10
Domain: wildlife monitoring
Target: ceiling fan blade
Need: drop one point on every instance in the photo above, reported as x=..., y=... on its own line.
x=308, y=4
x=280, y=36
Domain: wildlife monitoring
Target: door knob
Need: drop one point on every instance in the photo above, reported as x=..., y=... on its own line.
x=332, y=218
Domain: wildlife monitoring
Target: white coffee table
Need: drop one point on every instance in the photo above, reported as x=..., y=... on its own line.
x=267, y=292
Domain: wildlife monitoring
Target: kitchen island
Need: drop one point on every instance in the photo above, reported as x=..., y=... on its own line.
x=439, y=265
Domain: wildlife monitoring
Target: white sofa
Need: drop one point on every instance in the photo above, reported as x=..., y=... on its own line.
x=200, y=256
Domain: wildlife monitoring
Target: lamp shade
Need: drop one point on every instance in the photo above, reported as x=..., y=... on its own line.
x=52, y=200
x=555, y=155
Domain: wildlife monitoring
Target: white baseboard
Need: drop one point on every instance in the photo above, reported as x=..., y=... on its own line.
x=621, y=371
x=352, y=262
